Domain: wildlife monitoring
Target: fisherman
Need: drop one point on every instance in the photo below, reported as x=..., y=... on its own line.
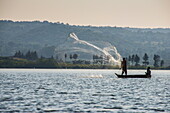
x=148, y=71
x=124, y=66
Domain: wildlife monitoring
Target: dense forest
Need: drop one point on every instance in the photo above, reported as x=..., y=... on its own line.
x=44, y=37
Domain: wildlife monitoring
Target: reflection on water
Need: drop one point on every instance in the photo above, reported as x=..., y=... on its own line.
x=50, y=90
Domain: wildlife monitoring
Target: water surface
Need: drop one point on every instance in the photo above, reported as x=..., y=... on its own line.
x=68, y=90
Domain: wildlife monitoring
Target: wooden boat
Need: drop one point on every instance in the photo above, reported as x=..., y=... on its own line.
x=133, y=76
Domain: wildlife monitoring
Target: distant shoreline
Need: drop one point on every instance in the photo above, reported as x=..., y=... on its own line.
x=83, y=68
x=50, y=63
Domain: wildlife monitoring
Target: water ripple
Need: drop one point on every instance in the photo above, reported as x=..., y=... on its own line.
x=82, y=91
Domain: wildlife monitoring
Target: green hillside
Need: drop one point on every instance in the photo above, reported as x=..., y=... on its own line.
x=44, y=37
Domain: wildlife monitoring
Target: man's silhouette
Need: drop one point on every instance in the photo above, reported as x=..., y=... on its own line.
x=124, y=66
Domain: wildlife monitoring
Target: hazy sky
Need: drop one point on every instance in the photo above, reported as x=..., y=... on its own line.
x=125, y=13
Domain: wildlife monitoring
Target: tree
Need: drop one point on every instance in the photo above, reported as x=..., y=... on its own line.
x=42, y=57
x=145, y=58
x=162, y=63
x=16, y=54
x=136, y=59
x=156, y=59
x=129, y=59
x=34, y=55
x=93, y=57
x=71, y=57
x=52, y=57
x=31, y=55
x=75, y=56
x=133, y=59
x=28, y=55
x=65, y=57
x=19, y=54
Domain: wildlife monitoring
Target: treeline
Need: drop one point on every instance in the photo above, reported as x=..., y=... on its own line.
x=31, y=60
x=134, y=60
x=30, y=55
x=12, y=62
x=74, y=58
x=71, y=56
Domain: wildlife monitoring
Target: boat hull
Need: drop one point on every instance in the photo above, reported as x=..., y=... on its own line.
x=133, y=76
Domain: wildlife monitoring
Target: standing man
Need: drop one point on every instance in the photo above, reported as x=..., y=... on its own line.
x=124, y=66
x=148, y=71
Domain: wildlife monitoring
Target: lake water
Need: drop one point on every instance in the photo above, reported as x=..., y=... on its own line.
x=68, y=90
